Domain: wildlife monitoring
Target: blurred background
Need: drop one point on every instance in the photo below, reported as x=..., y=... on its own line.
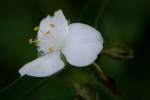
x=121, y=22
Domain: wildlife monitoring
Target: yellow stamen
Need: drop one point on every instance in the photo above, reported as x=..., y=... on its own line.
x=51, y=25
x=31, y=41
x=36, y=28
x=50, y=49
x=46, y=33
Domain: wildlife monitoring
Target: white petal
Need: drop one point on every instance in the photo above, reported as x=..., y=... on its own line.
x=58, y=28
x=82, y=45
x=43, y=66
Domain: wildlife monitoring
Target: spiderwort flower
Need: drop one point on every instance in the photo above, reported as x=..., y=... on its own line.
x=79, y=43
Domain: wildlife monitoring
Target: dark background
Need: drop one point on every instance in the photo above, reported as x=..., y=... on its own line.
x=122, y=22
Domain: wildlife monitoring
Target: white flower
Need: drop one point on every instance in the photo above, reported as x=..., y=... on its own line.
x=79, y=43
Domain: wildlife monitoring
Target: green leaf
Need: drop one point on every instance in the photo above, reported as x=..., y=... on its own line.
x=29, y=88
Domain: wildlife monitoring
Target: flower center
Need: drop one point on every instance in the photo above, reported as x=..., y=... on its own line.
x=48, y=40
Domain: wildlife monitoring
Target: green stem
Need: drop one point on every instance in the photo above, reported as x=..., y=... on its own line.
x=110, y=83
x=102, y=74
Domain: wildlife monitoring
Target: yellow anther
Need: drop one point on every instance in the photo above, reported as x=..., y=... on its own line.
x=33, y=41
x=51, y=25
x=46, y=33
x=50, y=49
x=30, y=41
x=36, y=28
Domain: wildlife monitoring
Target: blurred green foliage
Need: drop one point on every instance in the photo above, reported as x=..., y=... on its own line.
x=121, y=22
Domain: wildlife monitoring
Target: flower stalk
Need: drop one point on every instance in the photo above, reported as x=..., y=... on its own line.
x=109, y=82
x=101, y=72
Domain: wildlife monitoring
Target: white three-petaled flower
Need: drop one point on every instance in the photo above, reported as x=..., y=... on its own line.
x=79, y=43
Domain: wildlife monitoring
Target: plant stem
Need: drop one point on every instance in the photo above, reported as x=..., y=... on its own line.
x=102, y=74
x=109, y=82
